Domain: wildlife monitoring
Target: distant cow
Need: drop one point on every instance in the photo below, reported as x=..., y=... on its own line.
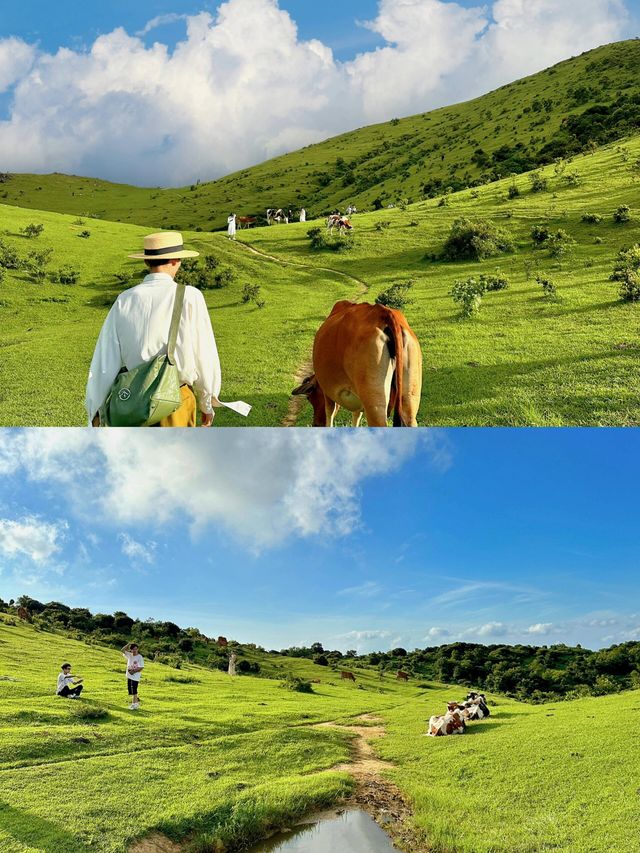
x=367, y=359
x=246, y=221
x=23, y=614
x=222, y=641
x=278, y=216
x=342, y=223
x=402, y=676
x=451, y=723
x=347, y=676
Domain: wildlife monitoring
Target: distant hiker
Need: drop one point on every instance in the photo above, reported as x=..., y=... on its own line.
x=233, y=658
x=137, y=331
x=69, y=686
x=231, y=226
x=135, y=665
x=303, y=215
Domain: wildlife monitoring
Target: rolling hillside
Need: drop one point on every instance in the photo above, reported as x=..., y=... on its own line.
x=221, y=761
x=529, y=358
x=591, y=99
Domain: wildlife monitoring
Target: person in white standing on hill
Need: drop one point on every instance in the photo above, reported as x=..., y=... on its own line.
x=232, y=663
x=303, y=215
x=231, y=226
x=135, y=665
x=136, y=331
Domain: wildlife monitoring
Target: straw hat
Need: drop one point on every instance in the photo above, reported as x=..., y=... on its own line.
x=166, y=245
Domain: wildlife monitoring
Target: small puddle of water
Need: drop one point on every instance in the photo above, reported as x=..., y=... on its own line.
x=353, y=831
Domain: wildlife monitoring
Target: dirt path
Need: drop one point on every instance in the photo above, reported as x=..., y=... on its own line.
x=296, y=404
x=373, y=793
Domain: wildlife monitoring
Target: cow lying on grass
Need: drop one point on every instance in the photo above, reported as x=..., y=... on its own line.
x=367, y=359
x=458, y=715
x=451, y=723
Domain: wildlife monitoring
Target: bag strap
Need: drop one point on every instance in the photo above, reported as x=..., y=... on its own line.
x=175, y=323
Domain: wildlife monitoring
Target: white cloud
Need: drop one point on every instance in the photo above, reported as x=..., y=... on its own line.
x=262, y=486
x=30, y=537
x=126, y=111
x=368, y=589
x=540, y=628
x=137, y=551
x=16, y=59
x=436, y=633
x=161, y=21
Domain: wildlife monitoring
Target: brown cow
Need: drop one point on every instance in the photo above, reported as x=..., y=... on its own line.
x=402, y=676
x=347, y=676
x=246, y=221
x=23, y=614
x=367, y=359
x=223, y=642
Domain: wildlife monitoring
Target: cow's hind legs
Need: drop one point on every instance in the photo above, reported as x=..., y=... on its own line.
x=331, y=410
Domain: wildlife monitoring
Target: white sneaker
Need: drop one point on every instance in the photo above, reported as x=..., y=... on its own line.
x=132, y=707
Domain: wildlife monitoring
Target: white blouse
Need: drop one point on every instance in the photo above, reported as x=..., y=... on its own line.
x=137, y=331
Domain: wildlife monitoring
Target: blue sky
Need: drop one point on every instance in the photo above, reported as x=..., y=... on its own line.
x=198, y=89
x=357, y=540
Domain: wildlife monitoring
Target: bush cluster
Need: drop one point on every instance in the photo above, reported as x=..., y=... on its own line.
x=475, y=240
x=205, y=273
x=298, y=685
x=627, y=272
x=396, y=296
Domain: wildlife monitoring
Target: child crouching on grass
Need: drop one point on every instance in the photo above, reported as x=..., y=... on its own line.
x=69, y=687
x=135, y=665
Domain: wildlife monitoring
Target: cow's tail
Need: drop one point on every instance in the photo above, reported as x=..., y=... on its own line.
x=393, y=331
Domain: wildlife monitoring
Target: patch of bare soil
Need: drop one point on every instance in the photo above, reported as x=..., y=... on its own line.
x=155, y=843
x=373, y=793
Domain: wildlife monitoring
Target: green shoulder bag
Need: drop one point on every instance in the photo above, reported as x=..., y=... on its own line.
x=151, y=391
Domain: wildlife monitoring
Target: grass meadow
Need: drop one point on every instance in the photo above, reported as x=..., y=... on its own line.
x=525, y=360
x=210, y=759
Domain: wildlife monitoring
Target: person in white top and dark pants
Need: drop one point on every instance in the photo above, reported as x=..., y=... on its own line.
x=136, y=331
x=135, y=665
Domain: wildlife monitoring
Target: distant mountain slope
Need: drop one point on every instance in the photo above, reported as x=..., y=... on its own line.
x=584, y=101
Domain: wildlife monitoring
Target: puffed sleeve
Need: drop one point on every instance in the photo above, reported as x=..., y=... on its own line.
x=105, y=365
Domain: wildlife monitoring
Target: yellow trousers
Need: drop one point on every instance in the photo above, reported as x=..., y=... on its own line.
x=185, y=416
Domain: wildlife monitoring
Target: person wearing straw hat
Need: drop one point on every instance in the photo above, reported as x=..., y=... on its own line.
x=136, y=331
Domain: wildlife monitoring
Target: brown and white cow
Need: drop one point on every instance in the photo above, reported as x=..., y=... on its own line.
x=347, y=676
x=366, y=359
x=451, y=723
x=340, y=222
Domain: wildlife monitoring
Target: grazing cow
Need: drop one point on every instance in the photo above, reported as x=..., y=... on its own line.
x=23, y=613
x=402, y=676
x=451, y=723
x=347, y=676
x=340, y=222
x=278, y=216
x=368, y=360
x=246, y=221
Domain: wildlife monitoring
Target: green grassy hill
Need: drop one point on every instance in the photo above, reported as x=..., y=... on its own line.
x=525, y=360
x=593, y=98
x=209, y=758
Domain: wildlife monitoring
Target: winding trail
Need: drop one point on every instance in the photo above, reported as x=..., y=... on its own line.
x=373, y=793
x=306, y=368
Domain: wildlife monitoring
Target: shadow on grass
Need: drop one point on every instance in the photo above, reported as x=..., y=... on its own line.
x=37, y=833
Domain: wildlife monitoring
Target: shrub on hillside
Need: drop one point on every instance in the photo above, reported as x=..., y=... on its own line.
x=622, y=214
x=549, y=288
x=33, y=230
x=382, y=225
x=85, y=234
x=539, y=182
x=540, y=234
x=248, y=667
x=321, y=660
x=9, y=258
x=65, y=275
x=320, y=240
x=183, y=679
x=627, y=272
x=513, y=192
x=559, y=244
x=592, y=218
x=251, y=293
x=468, y=295
x=396, y=296
x=297, y=685
x=205, y=273
x=36, y=264
x=475, y=240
